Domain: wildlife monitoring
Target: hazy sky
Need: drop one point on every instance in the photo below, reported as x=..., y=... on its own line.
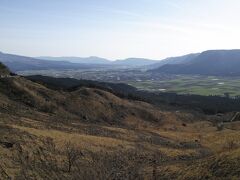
x=118, y=28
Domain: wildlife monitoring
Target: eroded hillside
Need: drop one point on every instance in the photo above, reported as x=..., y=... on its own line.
x=89, y=133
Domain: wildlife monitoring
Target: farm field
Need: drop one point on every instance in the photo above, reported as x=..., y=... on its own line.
x=200, y=85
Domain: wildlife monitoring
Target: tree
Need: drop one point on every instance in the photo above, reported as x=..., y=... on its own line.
x=72, y=154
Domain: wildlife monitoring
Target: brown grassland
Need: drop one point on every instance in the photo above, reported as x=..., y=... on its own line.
x=108, y=137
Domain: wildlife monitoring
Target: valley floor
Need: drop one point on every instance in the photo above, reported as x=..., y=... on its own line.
x=180, y=84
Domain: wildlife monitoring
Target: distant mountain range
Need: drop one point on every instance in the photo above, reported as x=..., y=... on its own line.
x=21, y=63
x=212, y=62
x=81, y=60
x=97, y=60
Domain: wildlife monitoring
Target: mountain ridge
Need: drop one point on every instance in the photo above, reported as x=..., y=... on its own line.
x=83, y=60
x=211, y=62
x=21, y=63
x=98, y=60
x=174, y=60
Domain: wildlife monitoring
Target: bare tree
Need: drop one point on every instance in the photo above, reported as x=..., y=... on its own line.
x=72, y=154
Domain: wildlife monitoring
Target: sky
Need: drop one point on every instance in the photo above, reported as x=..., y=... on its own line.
x=118, y=29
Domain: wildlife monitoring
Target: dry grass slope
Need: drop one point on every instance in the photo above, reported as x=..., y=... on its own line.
x=111, y=138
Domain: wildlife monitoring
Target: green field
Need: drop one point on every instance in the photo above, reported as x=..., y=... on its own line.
x=201, y=85
x=181, y=84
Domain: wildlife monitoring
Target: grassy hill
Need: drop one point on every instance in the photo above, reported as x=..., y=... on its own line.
x=89, y=133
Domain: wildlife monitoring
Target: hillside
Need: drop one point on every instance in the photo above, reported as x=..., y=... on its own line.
x=3, y=69
x=213, y=62
x=70, y=84
x=89, y=133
